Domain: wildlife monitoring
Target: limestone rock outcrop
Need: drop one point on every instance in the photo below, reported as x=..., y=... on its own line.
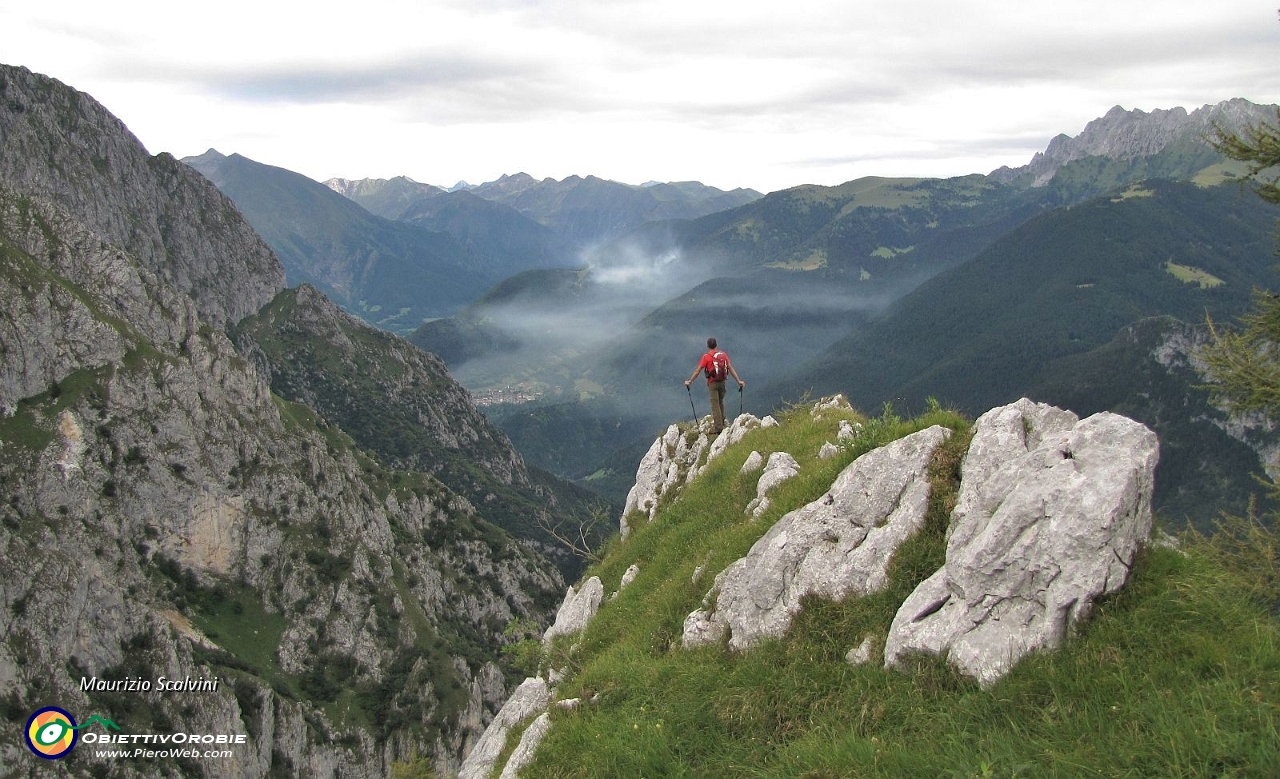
x=524, y=751
x=577, y=609
x=780, y=467
x=1050, y=513
x=659, y=472
x=676, y=458
x=836, y=546
x=531, y=698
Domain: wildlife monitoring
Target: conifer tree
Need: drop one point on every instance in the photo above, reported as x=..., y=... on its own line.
x=1245, y=363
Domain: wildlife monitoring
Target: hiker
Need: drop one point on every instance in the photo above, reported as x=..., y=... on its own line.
x=717, y=367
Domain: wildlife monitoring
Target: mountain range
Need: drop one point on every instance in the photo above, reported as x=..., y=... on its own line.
x=969, y=290
x=391, y=273
x=396, y=252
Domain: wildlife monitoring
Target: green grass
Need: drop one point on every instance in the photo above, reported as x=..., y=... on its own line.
x=888, y=253
x=1228, y=171
x=1178, y=675
x=239, y=624
x=1193, y=275
x=1134, y=190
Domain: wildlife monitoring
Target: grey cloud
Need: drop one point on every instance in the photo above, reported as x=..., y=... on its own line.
x=369, y=83
x=445, y=86
x=89, y=34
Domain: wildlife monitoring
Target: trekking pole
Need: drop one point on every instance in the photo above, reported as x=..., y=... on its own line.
x=695, y=411
x=740, y=388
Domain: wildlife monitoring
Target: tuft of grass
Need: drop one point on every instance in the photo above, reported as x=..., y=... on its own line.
x=1177, y=675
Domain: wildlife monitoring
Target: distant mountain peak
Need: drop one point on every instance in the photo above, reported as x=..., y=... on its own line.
x=387, y=198
x=211, y=154
x=1129, y=134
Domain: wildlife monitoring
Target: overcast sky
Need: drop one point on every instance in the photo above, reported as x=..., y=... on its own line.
x=753, y=94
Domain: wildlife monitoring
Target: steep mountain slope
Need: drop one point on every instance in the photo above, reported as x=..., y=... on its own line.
x=805, y=679
x=60, y=145
x=501, y=240
x=167, y=515
x=399, y=403
x=1062, y=284
x=390, y=273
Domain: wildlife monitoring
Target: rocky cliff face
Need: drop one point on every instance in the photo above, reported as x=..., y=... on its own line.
x=166, y=515
x=64, y=147
x=400, y=403
x=1131, y=135
x=317, y=354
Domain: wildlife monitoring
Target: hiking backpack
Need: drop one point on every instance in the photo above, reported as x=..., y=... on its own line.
x=719, y=369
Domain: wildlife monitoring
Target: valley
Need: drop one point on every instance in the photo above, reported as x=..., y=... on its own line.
x=967, y=290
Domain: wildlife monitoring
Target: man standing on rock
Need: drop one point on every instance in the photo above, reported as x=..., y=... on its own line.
x=717, y=367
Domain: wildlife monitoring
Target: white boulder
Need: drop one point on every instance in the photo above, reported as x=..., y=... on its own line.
x=577, y=609
x=837, y=546
x=780, y=467
x=1050, y=513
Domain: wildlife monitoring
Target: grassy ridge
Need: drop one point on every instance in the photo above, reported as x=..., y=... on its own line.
x=1178, y=675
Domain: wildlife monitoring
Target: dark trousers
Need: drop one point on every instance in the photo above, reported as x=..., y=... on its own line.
x=716, y=390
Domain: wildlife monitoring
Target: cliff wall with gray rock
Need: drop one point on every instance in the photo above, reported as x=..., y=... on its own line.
x=166, y=514
x=399, y=403
x=1127, y=135
x=63, y=147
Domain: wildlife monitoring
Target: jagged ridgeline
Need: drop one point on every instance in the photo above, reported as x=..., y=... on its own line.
x=165, y=514
x=830, y=595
